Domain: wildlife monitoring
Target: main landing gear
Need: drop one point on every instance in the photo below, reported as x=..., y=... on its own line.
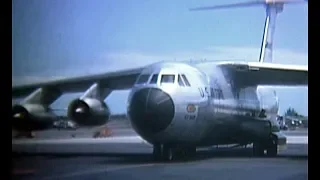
x=267, y=147
x=169, y=153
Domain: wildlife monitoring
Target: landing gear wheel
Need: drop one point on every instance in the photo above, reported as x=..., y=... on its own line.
x=191, y=152
x=258, y=149
x=157, y=152
x=163, y=153
x=270, y=146
x=272, y=149
x=168, y=153
x=180, y=153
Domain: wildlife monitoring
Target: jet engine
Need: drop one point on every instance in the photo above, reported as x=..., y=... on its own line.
x=88, y=112
x=31, y=117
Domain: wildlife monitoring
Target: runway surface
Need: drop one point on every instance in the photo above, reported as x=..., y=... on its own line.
x=134, y=162
x=128, y=157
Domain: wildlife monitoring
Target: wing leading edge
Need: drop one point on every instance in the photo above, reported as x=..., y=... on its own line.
x=118, y=80
x=255, y=73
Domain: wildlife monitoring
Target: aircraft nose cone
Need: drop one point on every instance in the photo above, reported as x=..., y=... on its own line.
x=151, y=111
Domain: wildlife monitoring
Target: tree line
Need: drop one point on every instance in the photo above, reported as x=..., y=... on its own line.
x=292, y=112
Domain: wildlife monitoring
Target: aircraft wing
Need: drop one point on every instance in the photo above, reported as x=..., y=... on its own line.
x=257, y=73
x=118, y=80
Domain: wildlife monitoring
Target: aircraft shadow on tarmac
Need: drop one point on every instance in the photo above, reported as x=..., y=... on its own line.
x=146, y=158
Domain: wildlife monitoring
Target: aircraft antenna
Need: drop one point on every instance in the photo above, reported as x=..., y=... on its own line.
x=273, y=8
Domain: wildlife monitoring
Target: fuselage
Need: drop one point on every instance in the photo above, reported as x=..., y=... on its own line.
x=198, y=104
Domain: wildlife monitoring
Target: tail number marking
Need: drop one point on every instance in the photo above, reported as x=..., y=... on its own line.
x=190, y=117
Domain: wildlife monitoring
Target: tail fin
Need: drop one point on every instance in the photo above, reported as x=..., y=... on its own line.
x=266, y=49
x=273, y=7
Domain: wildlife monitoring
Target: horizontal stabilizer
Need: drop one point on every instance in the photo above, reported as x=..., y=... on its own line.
x=247, y=4
x=255, y=73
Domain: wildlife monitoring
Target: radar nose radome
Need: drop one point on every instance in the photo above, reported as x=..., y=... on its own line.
x=151, y=110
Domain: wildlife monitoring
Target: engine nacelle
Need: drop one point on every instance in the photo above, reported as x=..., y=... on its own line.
x=29, y=117
x=88, y=112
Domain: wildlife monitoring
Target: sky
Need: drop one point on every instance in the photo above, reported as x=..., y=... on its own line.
x=64, y=38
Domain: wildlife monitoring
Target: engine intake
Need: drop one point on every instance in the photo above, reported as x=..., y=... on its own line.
x=88, y=112
x=29, y=117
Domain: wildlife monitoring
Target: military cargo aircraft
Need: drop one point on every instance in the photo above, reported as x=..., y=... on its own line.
x=177, y=106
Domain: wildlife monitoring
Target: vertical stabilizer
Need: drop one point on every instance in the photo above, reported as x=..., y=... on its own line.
x=273, y=7
x=266, y=50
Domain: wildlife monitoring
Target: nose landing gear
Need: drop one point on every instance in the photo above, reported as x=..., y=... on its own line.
x=269, y=145
x=171, y=153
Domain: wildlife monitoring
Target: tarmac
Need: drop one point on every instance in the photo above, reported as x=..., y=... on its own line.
x=126, y=156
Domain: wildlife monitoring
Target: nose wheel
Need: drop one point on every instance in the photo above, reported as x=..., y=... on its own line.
x=171, y=153
x=270, y=146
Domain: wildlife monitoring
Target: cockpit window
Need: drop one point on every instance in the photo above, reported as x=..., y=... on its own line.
x=167, y=78
x=154, y=79
x=185, y=80
x=143, y=79
x=180, y=81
